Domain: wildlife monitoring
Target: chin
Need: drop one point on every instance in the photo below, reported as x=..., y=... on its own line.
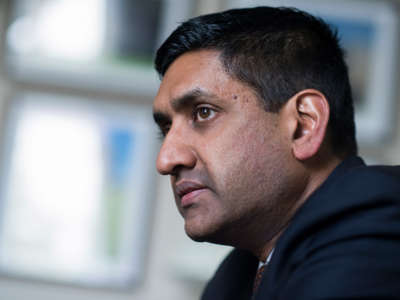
x=197, y=234
x=198, y=229
x=201, y=233
x=197, y=238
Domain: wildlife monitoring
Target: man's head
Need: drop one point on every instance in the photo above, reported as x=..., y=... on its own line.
x=251, y=103
x=278, y=52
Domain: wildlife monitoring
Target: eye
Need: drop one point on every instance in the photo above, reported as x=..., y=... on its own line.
x=163, y=130
x=203, y=113
x=160, y=135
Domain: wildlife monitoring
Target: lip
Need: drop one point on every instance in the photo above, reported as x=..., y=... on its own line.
x=187, y=191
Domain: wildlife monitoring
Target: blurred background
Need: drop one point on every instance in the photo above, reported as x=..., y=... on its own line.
x=83, y=214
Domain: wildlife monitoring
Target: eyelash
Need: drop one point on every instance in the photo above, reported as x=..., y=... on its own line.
x=162, y=132
x=160, y=135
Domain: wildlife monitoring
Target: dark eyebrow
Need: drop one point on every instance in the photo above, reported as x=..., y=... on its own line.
x=188, y=98
x=181, y=103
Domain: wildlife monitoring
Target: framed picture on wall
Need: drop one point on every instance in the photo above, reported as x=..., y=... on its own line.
x=96, y=44
x=76, y=190
x=369, y=33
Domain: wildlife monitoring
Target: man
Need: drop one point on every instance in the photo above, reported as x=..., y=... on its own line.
x=256, y=114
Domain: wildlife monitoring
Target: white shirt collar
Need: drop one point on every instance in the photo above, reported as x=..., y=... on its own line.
x=262, y=263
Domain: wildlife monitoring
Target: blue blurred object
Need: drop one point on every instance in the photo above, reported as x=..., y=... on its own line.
x=120, y=146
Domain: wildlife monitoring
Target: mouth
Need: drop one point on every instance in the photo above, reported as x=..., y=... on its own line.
x=187, y=191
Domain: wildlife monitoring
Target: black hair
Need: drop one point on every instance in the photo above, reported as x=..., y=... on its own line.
x=277, y=51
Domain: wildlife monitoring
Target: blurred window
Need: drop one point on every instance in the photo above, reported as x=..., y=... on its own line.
x=75, y=191
x=100, y=44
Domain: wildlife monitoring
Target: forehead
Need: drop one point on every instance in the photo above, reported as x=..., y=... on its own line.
x=196, y=70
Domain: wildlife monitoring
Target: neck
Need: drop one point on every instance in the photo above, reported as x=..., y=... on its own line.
x=318, y=171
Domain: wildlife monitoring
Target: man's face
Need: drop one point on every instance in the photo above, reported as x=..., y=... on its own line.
x=226, y=156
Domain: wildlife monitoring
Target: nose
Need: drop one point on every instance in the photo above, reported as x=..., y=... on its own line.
x=176, y=152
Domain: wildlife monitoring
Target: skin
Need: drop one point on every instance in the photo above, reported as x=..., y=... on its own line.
x=234, y=167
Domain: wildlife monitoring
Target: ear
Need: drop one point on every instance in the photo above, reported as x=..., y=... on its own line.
x=308, y=111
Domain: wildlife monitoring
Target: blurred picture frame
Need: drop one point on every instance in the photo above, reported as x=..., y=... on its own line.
x=101, y=45
x=369, y=33
x=77, y=186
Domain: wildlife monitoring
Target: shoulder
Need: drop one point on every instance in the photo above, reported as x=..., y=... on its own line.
x=349, y=192
x=366, y=180
x=358, y=188
x=345, y=237
x=353, y=200
x=364, y=201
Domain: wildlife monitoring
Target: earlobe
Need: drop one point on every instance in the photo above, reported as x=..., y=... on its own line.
x=311, y=110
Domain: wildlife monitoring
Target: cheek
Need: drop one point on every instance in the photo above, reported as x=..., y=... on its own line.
x=249, y=165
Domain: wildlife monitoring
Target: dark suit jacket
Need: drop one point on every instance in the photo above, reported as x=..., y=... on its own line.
x=343, y=243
